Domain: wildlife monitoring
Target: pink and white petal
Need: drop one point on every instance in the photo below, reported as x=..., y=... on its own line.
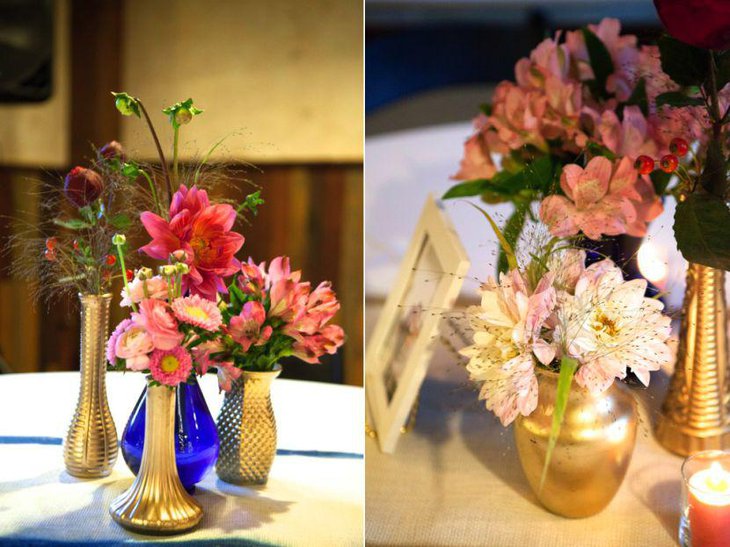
x=593, y=184
x=558, y=213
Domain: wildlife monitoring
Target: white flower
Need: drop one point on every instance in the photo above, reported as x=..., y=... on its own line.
x=609, y=325
x=507, y=327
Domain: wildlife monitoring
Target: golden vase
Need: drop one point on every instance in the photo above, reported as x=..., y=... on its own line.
x=90, y=449
x=696, y=413
x=157, y=502
x=592, y=452
x=247, y=430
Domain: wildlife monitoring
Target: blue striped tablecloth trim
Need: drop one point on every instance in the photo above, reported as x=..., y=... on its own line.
x=279, y=452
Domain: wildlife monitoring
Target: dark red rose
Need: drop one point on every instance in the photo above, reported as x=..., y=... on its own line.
x=111, y=150
x=699, y=23
x=82, y=186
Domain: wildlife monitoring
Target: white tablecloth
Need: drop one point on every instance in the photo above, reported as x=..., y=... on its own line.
x=309, y=499
x=456, y=480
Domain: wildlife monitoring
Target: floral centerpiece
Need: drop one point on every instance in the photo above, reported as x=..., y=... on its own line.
x=585, y=326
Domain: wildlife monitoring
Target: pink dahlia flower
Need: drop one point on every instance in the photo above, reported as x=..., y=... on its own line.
x=155, y=288
x=172, y=366
x=160, y=323
x=247, y=328
x=134, y=345
x=197, y=311
x=600, y=200
x=203, y=231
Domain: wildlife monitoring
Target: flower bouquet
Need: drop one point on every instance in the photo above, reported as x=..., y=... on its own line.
x=550, y=338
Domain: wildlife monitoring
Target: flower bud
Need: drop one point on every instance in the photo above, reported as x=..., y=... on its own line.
x=168, y=270
x=183, y=116
x=82, y=186
x=126, y=104
x=179, y=256
x=110, y=151
x=119, y=239
x=144, y=273
x=182, y=268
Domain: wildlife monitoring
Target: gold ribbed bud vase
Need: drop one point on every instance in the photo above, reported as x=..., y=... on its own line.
x=157, y=502
x=247, y=430
x=696, y=414
x=90, y=450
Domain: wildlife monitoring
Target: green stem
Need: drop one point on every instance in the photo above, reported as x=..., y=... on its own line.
x=160, y=153
x=175, y=135
x=124, y=277
x=153, y=189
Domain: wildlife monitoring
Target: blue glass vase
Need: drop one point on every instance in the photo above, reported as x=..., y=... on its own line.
x=196, y=437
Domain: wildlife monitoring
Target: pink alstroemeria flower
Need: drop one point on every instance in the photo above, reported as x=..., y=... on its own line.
x=288, y=294
x=203, y=231
x=309, y=348
x=252, y=279
x=248, y=328
x=600, y=201
x=156, y=317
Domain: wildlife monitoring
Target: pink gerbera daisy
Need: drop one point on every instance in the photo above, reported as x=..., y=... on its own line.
x=170, y=367
x=197, y=311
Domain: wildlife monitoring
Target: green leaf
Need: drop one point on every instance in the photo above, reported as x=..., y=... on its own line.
x=506, y=247
x=660, y=180
x=71, y=224
x=677, y=99
x=512, y=230
x=685, y=64
x=121, y=222
x=639, y=97
x=601, y=62
x=466, y=189
x=130, y=170
x=713, y=177
x=251, y=203
x=568, y=367
x=702, y=230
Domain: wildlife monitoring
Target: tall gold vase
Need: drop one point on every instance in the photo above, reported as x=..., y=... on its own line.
x=696, y=413
x=90, y=450
x=247, y=430
x=157, y=502
x=592, y=452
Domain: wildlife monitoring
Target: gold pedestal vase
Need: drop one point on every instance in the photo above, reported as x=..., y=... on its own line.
x=696, y=412
x=592, y=452
x=157, y=502
x=247, y=429
x=90, y=449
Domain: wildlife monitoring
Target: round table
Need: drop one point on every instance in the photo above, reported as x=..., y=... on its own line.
x=314, y=495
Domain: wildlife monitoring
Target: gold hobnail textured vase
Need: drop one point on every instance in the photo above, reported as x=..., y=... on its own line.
x=90, y=449
x=696, y=414
x=157, y=501
x=592, y=452
x=247, y=430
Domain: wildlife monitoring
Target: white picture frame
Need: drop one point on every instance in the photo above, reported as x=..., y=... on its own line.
x=428, y=283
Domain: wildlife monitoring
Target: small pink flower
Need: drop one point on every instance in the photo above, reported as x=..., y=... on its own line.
x=111, y=345
x=156, y=288
x=197, y=311
x=134, y=346
x=477, y=162
x=227, y=373
x=599, y=200
x=629, y=137
x=309, y=348
x=252, y=278
x=288, y=295
x=247, y=328
x=203, y=355
x=155, y=317
x=172, y=366
x=320, y=307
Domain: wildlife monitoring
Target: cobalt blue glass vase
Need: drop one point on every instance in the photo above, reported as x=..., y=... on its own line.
x=196, y=437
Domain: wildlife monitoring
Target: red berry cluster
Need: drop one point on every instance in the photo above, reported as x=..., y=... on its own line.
x=669, y=162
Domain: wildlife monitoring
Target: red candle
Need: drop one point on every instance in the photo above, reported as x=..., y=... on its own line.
x=709, y=507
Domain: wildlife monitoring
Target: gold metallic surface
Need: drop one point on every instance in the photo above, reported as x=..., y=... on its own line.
x=157, y=502
x=90, y=450
x=695, y=415
x=593, y=450
x=247, y=430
